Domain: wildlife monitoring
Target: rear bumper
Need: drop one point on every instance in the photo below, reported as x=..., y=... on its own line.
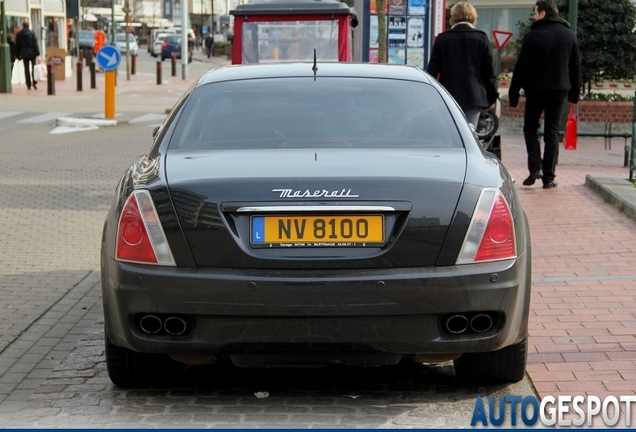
x=393, y=311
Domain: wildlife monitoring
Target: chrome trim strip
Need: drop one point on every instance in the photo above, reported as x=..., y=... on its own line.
x=339, y=209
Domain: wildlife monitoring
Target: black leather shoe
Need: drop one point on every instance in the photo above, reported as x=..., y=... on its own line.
x=549, y=185
x=532, y=178
x=35, y=85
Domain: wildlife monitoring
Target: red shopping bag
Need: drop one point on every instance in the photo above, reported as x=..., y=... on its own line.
x=569, y=140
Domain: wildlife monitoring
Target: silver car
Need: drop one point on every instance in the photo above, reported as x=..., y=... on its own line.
x=120, y=43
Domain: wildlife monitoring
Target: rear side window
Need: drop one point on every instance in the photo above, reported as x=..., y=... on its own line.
x=303, y=113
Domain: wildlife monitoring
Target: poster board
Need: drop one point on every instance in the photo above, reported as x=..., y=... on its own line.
x=56, y=57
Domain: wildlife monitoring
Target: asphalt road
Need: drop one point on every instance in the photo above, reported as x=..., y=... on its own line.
x=55, y=190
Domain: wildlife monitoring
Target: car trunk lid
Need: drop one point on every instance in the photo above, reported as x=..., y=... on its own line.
x=218, y=193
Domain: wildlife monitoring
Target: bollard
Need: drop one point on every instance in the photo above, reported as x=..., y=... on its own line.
x=133, y=63
x=173, y=60
x=632, y=167
x=79, y=76
x=50, y=80
x=91, y=67
x=158, y=72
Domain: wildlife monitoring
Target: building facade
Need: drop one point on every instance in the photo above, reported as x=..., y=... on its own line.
x=47, y=19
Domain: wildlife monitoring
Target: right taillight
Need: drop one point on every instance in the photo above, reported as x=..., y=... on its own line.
x=491, y=233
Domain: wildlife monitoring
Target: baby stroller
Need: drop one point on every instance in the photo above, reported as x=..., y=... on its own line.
x=486, y=130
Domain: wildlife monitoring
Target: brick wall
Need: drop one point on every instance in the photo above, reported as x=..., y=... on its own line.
x=588, y=111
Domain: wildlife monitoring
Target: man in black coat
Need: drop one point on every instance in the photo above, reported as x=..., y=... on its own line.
x=462, y=62
x=28, y=50
x=548, y=69
x=209, y=42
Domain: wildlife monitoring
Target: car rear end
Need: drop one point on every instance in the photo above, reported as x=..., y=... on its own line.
x=312, y=218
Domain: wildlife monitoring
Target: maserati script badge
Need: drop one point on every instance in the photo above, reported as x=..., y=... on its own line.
x=290, y=193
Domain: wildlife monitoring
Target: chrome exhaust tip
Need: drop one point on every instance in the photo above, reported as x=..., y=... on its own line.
x=456, y=324
x=175, y=326
x=481, y=323
x=151, y=324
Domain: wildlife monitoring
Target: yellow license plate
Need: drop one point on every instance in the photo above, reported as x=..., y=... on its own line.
x=318, y=230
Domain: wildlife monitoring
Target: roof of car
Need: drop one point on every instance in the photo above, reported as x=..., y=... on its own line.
x=331, y=69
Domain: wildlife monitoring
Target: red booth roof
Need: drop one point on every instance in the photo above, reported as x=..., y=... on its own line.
x=293, y=7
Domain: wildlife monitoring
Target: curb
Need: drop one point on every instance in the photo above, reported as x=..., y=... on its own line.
x=619, y=192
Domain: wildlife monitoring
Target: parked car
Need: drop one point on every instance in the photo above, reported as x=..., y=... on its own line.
x=172, y=30
x=172, y=44
x=120, y=43
x=86, y=41
x=157, y=44
x=307, y=214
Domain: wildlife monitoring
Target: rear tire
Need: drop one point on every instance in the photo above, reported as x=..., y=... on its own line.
x=127, y=368
x=505, y=365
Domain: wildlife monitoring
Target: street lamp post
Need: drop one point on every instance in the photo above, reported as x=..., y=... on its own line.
x=212, y=20
x=112, y=22
x=5, y=54
x=126, y=10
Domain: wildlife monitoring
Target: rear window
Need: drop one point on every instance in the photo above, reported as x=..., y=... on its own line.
x=173, y=39
x=122, y=37
x=303, y=113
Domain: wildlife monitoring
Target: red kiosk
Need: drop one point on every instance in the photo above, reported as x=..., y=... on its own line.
x=289, y=30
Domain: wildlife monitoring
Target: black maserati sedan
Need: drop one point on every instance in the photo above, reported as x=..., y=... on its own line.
x=312, y=214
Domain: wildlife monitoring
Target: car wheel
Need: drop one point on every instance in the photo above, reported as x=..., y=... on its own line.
x=505, y=365
x=127, y=368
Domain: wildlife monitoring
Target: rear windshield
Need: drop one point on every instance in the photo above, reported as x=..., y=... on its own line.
x=173, y=39
x=328, y=112
x=122, y=37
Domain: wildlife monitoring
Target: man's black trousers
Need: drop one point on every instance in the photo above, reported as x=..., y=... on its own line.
x=549, y=103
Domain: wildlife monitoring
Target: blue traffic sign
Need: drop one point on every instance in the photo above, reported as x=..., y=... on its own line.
x=108, y=57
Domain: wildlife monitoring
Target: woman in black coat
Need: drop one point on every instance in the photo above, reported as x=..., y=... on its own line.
x=462, y=62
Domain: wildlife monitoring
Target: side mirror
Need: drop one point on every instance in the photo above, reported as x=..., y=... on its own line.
x=155, y=131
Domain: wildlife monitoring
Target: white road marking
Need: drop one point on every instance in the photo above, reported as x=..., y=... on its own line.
x=148, y=117
x=44, y=117
x=6, y=114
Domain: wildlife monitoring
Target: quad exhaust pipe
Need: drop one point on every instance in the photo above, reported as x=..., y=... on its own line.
x=460, y=323
x=173, y=325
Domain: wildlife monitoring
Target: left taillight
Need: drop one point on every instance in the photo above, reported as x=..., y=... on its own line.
x=491, y=233
x=140, y=236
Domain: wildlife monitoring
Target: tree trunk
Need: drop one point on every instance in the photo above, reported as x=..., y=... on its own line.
x=382, y=52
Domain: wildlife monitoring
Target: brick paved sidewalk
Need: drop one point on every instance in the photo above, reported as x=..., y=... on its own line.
x=583, y=319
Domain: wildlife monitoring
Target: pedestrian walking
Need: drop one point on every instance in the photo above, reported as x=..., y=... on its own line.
x=548, y=70
x=13, y=54
x=462, y=62
x=208, y=44
x=28, y=51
